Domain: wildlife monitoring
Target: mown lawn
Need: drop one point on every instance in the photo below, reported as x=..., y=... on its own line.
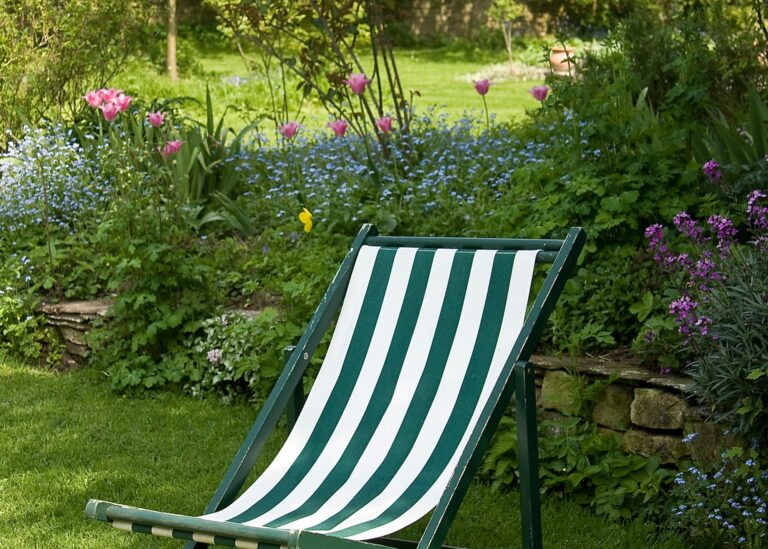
x=65, y=438
x=442, y=78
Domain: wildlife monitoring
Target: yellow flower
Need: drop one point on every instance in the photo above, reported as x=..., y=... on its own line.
x=306, y=218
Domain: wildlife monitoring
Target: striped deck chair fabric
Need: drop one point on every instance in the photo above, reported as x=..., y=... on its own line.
x=421, y=343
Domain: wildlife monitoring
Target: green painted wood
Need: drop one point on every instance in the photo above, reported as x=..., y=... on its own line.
x=113, y=511
x=296, y=402
x=461, y=243
x=446, y=510
x=289, y=379
x=528, y=452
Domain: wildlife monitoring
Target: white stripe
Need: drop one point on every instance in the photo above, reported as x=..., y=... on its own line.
x=321, y=390
x=445, y=398
x=512, y=323
x=246, y=544
x=123, y=525
x=164, y=532
x=413, y=366
x=361, y=395
x=203, y=538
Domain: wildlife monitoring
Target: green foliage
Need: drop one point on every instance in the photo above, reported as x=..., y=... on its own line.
x=658, y=341
x=577, y=461
x=724, y=506
x=739, y=147
x=240, y=355
x=165, y=291
x=52, y=51
x=695, y=59
x=206, y=172
x=24, y=333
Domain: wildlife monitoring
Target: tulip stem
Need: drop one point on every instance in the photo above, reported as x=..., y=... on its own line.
x=487, y=117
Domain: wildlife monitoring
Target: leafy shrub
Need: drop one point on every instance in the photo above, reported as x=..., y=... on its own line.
x=733, y=152
x=24, y=334
x=725, y=506
x=165, y=291
x=577, y=461
x=239, y=355
x=692, y=60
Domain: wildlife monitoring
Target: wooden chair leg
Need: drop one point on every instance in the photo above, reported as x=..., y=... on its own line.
x=528, y=452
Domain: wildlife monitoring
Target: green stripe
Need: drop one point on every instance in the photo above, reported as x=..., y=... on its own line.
x=141, y=528
x=382, y=393
x=427, y=387
x=337, y=401
x=488, y=335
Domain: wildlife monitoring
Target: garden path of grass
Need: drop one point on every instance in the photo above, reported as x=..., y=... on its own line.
x=65, y=438
x=440, y=77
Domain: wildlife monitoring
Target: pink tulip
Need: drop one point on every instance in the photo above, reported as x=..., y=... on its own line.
x=171, y=147
x=339, y=127
x=109, y=110
x=357, y=83
x=539, y=92
x=93, y=98
x=108, y=95
x=482, y=86
x=385, y=124
x=155, y=119
x=122, y=102
x=289, y=130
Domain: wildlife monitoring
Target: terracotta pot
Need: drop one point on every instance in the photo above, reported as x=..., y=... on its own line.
x=560, y=58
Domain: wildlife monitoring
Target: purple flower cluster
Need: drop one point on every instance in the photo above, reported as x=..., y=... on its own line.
x=711, y=169
x=757, y=215
x=689, y=227
x=701, y=272
x=725, y=232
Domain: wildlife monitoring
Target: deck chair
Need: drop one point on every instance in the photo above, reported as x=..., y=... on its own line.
x=430, y=344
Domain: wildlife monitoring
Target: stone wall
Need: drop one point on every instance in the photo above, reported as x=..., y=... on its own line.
x=71, y=322
x=650, y=413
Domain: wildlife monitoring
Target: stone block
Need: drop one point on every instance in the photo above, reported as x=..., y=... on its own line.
x=669, y=448
x=73, y=336
x=657, y=409
x=558, y=392
x=612, y=409
x=705, y=440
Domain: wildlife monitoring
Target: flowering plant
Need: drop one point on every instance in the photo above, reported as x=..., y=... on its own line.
x=722, y=311
x=725, y=506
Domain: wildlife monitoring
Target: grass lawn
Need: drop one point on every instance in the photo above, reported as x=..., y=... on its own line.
x=441, y=76
x=65, y=438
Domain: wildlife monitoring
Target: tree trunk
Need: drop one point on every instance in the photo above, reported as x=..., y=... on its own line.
x=173, y=72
